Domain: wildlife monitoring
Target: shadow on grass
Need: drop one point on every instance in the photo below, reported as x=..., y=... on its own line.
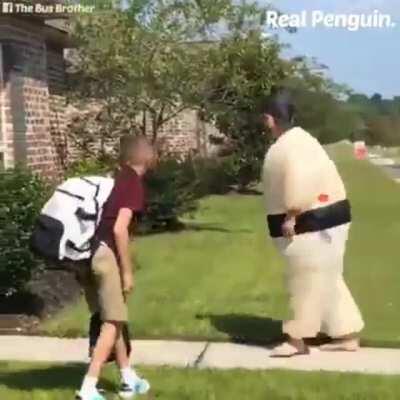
x=188, y=226
x=51, y=378
x=212, y=228
x=244, y=328
x=249, y=329
x=250, y=191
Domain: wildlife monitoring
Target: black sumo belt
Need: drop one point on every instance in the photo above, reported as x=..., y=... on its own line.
x=315, y=220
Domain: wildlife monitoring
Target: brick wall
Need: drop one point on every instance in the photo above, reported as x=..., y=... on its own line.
x=33, y=117
x=188, y=133
x=26, y=101
x=180, y=135
x=57, y=103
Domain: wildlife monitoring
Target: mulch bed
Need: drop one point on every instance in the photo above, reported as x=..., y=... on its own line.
x=48, y=292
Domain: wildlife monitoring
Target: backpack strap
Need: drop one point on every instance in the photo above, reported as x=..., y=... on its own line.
x=79, y=250
x=76, y=196
x=82, y=178
x=96, y=202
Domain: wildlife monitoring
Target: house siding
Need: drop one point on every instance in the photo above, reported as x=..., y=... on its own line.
x=26, y=101
x=33, y=108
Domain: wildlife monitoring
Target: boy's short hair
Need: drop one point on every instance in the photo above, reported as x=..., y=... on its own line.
x=127, y=145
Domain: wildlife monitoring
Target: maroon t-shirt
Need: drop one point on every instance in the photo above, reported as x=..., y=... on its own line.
x=128, y=192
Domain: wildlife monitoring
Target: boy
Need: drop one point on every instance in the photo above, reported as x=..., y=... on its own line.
x=110, y=278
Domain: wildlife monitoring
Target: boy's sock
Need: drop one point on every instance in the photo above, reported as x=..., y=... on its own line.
x=88, y=385
x=128, y=375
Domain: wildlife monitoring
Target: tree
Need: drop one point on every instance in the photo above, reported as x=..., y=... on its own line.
x=383, y=130
x=321, y=103
x=245, y=67
x=381, y=118
x=139, y=66
x=134, y=77
x=142, y=65
x=173, y=55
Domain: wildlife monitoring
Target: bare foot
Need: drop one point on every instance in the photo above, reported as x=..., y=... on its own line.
x=342, y=345
x=293, y=347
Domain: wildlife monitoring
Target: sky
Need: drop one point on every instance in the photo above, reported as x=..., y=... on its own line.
x=367, y=60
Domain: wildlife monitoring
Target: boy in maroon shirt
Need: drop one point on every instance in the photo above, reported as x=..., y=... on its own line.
x=110, y=278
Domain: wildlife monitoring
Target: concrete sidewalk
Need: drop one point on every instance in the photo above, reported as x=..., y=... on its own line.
x=391, y=166
x=203, y=355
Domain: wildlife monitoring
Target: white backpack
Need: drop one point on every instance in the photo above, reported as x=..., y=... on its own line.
x=68, y=221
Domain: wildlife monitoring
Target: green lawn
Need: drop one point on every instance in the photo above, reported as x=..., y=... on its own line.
x=222, y=279
x=59, y=382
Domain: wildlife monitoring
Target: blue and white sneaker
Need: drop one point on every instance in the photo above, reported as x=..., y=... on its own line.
x=136, y=386
x=92, y=396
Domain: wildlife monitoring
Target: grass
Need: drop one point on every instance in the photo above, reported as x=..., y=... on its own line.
x=59, y=382
x=221, y=278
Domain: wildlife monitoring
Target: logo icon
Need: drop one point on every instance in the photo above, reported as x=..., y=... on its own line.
x=7, y=8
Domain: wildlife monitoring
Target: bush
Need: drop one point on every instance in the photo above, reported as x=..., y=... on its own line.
x=22, y=196
x=383, y=130
x=89, y=166
x=249, y=143
x=173, y=187
x=215, y=176
x=171, y=193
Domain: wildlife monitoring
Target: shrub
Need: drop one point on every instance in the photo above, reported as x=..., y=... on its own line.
x=90, y=166
x=249, y=143
x=215, y=176
x=171, y=193
x=382, y=130
x=171, y=189
x=22, y=196
x=174, y=186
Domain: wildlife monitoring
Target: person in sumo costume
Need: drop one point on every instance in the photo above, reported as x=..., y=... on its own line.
x=309, y=218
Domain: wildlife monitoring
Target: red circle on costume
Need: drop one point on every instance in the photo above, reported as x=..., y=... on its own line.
x=323, y=198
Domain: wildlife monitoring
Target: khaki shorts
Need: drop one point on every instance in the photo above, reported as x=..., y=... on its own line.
x=103, y=286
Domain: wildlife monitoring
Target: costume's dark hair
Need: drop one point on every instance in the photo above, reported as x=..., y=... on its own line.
x=280, y=106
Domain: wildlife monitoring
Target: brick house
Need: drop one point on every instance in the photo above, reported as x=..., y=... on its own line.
x=33, y=117
x=32, y=104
